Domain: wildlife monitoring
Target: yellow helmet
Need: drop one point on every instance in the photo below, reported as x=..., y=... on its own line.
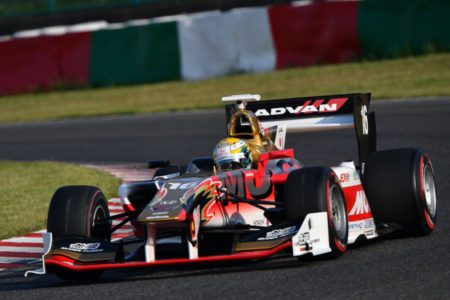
x=232, y=153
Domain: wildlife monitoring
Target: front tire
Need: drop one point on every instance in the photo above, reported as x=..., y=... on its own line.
x=401, y=189
x=317, y=189
x=78, y=211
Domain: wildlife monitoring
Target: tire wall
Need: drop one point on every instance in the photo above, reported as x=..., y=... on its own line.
x=210, y=44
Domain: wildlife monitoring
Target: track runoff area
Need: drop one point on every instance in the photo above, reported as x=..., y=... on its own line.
x=21, y=251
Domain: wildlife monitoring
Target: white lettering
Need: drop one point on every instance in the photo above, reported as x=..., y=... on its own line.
x=277, y=111
x=361, y=205
x=184, y=186
x=262, y=112
x=309, y=109
x=173, y=185
x=294, y=110
x=365, y=121
x=328, y=107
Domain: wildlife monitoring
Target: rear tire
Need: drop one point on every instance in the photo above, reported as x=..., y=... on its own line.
x=317, y=189
x=74, y=211
x=400, y=189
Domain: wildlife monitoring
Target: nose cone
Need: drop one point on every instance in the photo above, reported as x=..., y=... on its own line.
x=171, y=201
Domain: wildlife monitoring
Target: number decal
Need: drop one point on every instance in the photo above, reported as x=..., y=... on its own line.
x=181, y=186
x=365, y=120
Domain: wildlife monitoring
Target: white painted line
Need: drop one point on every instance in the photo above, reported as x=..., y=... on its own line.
x=115, y=200
x=117, y=221
x=22, y=249
x=15, y=260
x=123, y=231
x=25, y=240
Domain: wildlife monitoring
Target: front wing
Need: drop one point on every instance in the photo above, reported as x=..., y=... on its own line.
x=311, y=237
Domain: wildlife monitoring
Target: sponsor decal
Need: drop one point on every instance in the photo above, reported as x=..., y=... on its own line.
x=236, y=183
x=318, y=106
x=302, y=239
x=157, y=217
x=356, y=226
x=168, y=202
x=303, y=248
x=160, y=195
x=361, y=205
x=369, y=232
x=84, y=247
x=278, y=233
x=260, y=222
x=304, y=242
x=344, y=177
x=369, y=224
x=172, y=195
x=160, y=213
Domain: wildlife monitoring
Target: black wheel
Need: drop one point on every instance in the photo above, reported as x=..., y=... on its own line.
x=317, y=189
x=76, y=211
x=400, y=189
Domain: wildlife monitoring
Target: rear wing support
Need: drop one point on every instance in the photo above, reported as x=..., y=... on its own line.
x=315, y=113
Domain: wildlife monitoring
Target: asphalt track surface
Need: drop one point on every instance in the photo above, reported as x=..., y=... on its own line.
x=389, y=268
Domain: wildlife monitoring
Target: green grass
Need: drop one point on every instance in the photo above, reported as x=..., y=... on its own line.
x=407, y=77
x=27, y=188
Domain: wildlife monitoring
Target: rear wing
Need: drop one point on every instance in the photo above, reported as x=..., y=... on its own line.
x=314, y=113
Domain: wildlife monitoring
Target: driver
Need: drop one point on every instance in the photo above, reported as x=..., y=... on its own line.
x=232, y=153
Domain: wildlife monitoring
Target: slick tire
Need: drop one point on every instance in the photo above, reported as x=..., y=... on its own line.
x=76, y=210
x=400, y=188
x=317, y=189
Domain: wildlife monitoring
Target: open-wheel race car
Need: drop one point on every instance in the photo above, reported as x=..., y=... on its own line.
x=252, y=200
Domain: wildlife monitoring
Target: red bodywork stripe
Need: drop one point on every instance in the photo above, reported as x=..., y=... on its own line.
x=64, y=262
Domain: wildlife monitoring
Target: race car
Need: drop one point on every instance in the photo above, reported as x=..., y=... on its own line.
x=252, y=200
